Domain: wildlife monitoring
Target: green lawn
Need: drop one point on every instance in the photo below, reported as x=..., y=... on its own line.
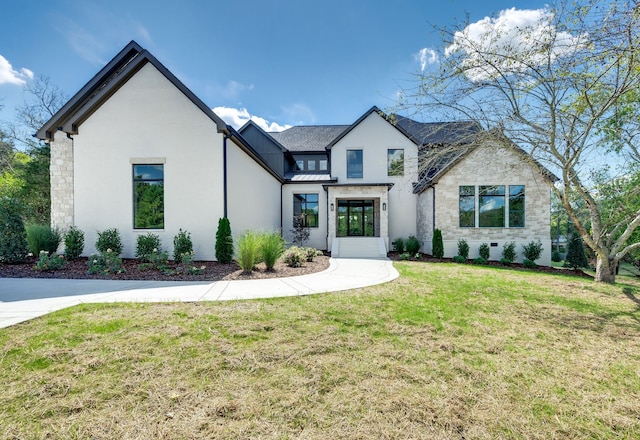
x=445, y=351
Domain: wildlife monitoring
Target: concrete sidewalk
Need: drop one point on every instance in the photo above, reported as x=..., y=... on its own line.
x=22, y=299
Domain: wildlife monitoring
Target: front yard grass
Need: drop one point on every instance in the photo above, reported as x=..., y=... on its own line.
x=445, y=351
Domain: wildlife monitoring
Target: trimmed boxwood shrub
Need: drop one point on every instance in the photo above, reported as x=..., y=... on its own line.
x=509, y=252
x=532, y=250
x=484, y=251
x=73, y=243
x=463, y=248
x=146, y=245
x=109, y=239
x=459, y=259
x=412, y=245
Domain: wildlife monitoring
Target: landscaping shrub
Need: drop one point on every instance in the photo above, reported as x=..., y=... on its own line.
x=146, y=245
x=505, y=261
x=529, y=264
x=438, y=245
x=248, y=251
x=484, y=251
x=271, y=248
x=13, y=237
x=187, y=264
x=463, y=248
x=73, y=243
x=182, y=244
x=459, y=259
x=576, y=257
x=480, y=261
x=556, y=257
x=109, y=239
x=41, y=237
x=104, y=263
x=509, y=252
x=398, y=245
x=158, y=260
x=293, y=257
x=532, y=250
x=412, y=245
x=404, y=256
x=310, y=253
x=224, y=241
x=47, y=263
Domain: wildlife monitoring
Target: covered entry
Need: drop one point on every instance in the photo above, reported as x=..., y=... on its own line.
x=356, y=218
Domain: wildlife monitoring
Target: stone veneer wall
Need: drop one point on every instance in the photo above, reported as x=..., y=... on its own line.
x=61, y=173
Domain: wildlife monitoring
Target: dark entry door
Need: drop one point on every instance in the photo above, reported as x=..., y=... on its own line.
x=356, y=218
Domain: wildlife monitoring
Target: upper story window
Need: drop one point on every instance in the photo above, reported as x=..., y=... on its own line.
x=323, y=165
x=354, y=164
x=299, y=165
x=311, y=165
x=395, y=162
x=148, y=196
x=305, y=207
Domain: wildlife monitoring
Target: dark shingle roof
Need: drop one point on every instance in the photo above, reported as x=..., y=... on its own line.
x=430, y=133
x=308, y=138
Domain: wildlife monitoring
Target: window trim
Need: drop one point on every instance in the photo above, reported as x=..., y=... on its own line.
x=303, y=207
x=136, y=180
x=352, y=174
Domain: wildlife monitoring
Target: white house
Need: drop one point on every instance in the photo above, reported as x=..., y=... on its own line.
x=135, y=149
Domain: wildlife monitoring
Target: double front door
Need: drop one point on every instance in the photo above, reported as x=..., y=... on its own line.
x=356, y=218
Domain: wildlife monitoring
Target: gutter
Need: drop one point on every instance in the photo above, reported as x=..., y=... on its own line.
x=224, y=172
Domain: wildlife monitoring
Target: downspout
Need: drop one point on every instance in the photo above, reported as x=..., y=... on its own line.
x=433, y=201
x=281, y=210
x=224, y=173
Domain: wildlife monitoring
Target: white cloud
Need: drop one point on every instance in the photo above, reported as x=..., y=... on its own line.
x=511, y=42
x=426, y=56
x=10, y=76
x=238, y=117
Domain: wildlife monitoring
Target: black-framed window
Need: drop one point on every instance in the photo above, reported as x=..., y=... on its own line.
x=148, y=196
x=354, y=164
x=305, y=206
x=516, y=206
x=491, y=206
x=311, y=165
x=323, y=164
x=299, y=165
x=395, y=162
x=467, y=206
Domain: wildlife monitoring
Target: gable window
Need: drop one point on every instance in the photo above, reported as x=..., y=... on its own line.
x=311, y=165
x=354, y=164
x=395, y=162
x=305, y=206
x=148, y=196
x=322, y=165
x=467, y=206
x=491, y=206
x=516, y=206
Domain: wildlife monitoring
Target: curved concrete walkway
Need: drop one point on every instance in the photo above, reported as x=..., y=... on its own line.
x=22, y=299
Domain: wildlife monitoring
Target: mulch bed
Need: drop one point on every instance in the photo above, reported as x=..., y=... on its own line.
x=213, y=271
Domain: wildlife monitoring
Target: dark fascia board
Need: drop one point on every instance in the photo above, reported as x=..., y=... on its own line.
x=241, y=142
x=102, y=86
x=388, y=185
x=382, y=114
x=264, y=133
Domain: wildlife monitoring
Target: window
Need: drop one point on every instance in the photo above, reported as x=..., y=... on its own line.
x=395, y=162
x=322, y=165
x=467, y=206
x=306, y=207
x=491, y=206
x=516, y=206
x=299, y=165
x=354, y=164
x=148, y=196
x=311, y=165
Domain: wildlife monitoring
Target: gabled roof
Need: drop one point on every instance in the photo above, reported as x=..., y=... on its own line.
x=105, y=83
x=434, y=133
x=308, y=138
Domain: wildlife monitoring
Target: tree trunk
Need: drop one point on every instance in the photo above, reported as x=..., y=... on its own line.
x=605, y=270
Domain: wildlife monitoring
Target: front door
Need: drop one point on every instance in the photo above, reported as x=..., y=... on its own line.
x=356, y=218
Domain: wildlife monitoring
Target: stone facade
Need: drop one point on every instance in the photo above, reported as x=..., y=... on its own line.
x=61, y=174
x=489, y=165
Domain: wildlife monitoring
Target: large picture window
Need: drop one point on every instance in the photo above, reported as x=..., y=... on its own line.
x=491, y=206
x=354, y=164
x=148, y=196
x=467, y=206
x=305, y=206
x=395, y=162
x=516, y=206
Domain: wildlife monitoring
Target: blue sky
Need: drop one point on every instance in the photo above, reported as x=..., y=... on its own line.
x=287, y=62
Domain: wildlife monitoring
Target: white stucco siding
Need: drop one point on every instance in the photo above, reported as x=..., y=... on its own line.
x=491, y=165
x=148, y=120
x=253, y=194
x=375, y=136
x=317, y=236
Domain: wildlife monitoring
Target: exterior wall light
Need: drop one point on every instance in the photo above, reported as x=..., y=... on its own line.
x=384, y=206
x=332, y=206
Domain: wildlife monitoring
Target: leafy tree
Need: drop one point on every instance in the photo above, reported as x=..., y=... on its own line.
x=13, y=235
x=224, y=241
x=554, y=86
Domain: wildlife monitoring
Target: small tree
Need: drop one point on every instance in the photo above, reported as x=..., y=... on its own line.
x=532, y=250
x=13, y=236
x=484, y=251
x=576, y=256
x=509, y=252
x=463, y=248
x=300, y=231
x=224, y=241
x=437, y=244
